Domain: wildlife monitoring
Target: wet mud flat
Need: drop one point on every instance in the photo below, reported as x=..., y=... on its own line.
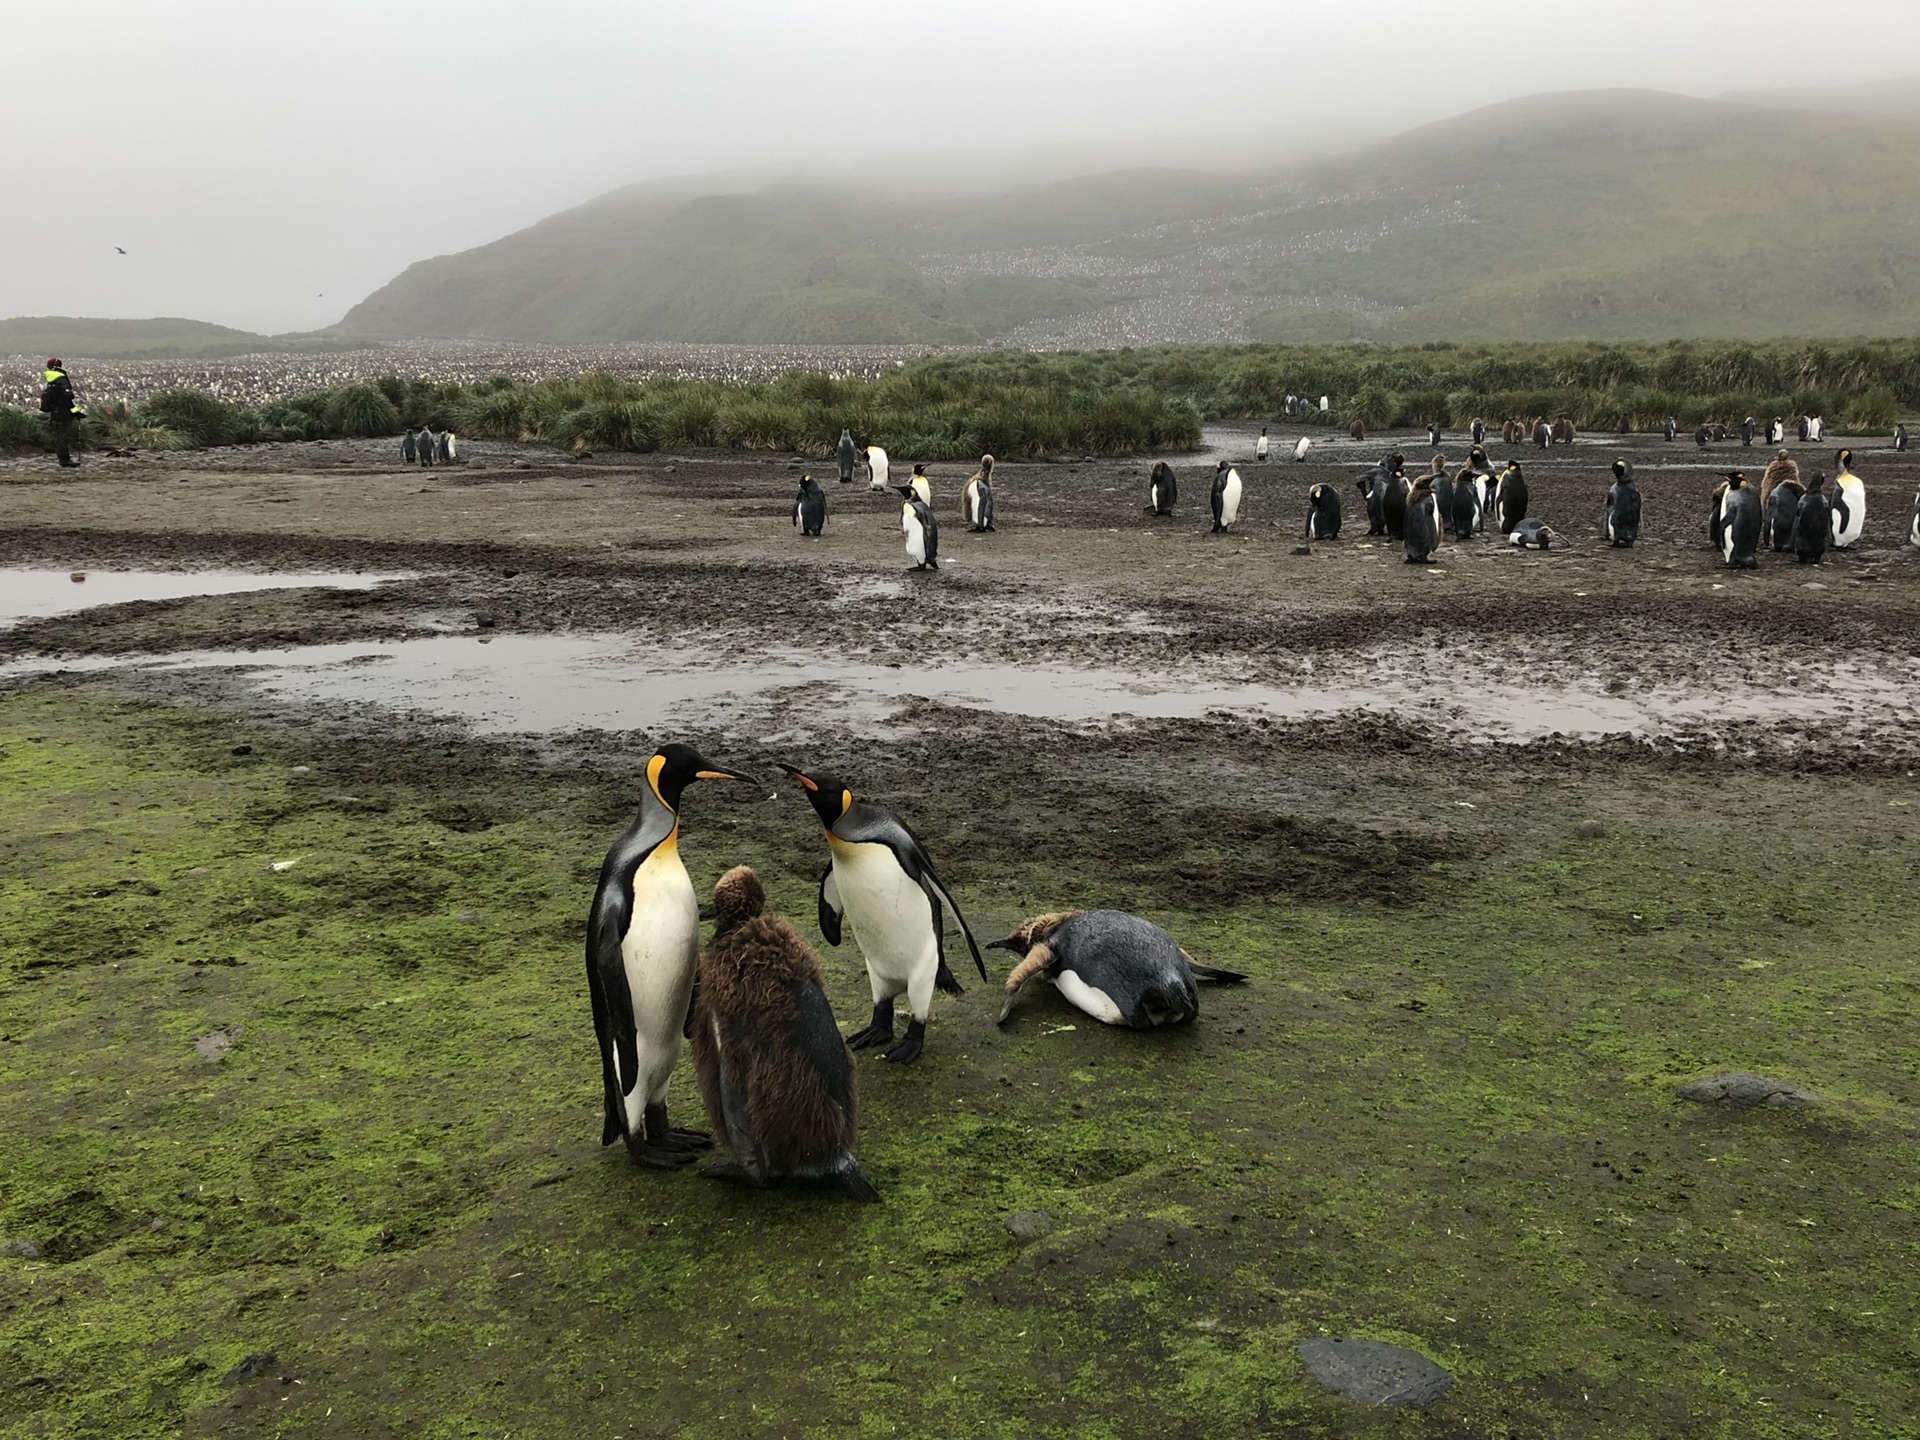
x=291, y=1022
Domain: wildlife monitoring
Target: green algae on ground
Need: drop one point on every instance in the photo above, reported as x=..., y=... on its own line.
x=1447, y=1122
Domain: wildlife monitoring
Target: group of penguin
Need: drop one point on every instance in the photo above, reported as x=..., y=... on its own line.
x=1789, y=515
x=774, y=1073
x=918, y=526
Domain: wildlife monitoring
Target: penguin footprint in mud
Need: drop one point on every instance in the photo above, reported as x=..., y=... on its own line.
x=775, y=1074
x=1120, y=969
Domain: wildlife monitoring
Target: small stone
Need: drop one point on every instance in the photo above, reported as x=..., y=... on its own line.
x=213, y=1046
x=1741, y=1087
x=25, y=1249
x=1590, y=830
x=485, y=621
x=476, y=464
x=252, y=1367
x=1029, y=1225
x=243, y=749
x=1375, y=1373
x=468, y=917
x=521, y=465
x=77, y=576
x=1813, y=585
x=303, y=770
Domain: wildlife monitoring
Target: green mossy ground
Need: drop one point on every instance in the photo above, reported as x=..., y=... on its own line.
x=1449, y=1123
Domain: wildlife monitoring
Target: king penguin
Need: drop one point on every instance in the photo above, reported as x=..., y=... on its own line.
x=921, y=486
x=976, y=502
x=1300, y=450
x=810, y=507
x=776, y=1076
x=643, y=941
x=1162, y=489
x=920, y=528
x=876, y=459
x=1740, y=523
x=1781, y=511
x=882, y=881
x=1849, y=503
x=1812, y=522
x=1226, y=496
x=1118, y=968
x=1510, y=500
x=1913, y=522
x=1421, y=524
x=1323, y=513
x=1622, y=519
x=1531, y=534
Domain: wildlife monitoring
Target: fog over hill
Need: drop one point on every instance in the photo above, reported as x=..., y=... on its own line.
x=1615, y=214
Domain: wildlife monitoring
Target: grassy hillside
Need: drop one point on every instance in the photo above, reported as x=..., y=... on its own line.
x=165, y=338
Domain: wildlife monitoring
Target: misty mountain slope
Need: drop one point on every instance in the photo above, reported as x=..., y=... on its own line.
x=1604, y=214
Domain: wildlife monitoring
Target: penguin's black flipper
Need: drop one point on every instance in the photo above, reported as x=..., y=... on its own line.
x=830, y=906
x=613, y=1021
x=938, y=892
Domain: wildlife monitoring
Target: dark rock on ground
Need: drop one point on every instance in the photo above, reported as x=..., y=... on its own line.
x=1029, y=1225
x=1738, y=1087
x=251, y=1367
x=1375, y=1373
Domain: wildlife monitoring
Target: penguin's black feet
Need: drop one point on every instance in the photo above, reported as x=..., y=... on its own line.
x=656, y=1157
x=909, y=1048
x=991, y=530
x=688, y=1140
x=879, y=1030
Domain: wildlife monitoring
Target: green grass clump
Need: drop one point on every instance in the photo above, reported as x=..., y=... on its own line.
x=360, y=410
x=203, y=418
x=23, y=429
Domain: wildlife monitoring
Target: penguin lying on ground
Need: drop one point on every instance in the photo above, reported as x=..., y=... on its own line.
x=1422, y=522
x=1740, y=523
x=1162, y=489
x=810, y=507
x=1530, y=534
x=881, y=879
x=920, y=528
x=643, y=940
x=1622, y=518
x=1781, y=512
x=1226, y=496
x=1510, y=499
x=1118, y=968
x=1849, y=503
x=876, y=459
x=1812, y=522
x=1323, y=513
x=776, y=1076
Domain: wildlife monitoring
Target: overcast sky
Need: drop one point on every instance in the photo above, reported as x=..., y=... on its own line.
x=267, y=165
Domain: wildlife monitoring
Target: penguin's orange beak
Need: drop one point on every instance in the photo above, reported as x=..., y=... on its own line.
x=797, y=774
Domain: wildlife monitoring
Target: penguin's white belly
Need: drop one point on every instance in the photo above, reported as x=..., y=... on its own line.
x=1300, y=450
x=1230, y=500
x=658, y=954
x=916, y=539
x=1856, y=497
x=891, y=917
x=1082, y=996
x=877, y=463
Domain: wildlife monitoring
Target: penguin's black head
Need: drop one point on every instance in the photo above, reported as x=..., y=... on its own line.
x=1736, y=479
x=674, y=767
x=905, y=491
x=1219, y=465
x=1621, y=469
x=830, y=797
x=1844, y=459
x=920, y=469
x=1819, y=480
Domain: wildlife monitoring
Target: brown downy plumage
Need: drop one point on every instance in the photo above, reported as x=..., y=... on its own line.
x=1356, y=431
x=1781, y=469
x=1030, y=941
x=775, y=1074
x=985, y=472
x=1563, y=431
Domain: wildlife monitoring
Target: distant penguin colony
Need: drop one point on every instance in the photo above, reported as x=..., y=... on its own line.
x=921, y=530
x=880, y=879
x=1116, y=967
x=810, y=508
x=976, y=497
x=1621, y=524
x=1226, y=497
x=643, y=942
x=1739, y=522
x=1162, y=489
x=776, y=1076
x=1323, y=513
x=1849, y=503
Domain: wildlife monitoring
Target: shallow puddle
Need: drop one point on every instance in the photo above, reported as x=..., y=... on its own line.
x=529, y=683
x=36, y=594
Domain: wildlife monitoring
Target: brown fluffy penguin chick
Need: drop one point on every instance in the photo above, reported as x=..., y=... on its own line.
x=776, y=1076
x=1781, y=469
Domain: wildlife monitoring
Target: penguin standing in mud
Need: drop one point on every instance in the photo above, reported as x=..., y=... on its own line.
x=1162, y=490
x=1393, y=500
x=1849, y=503
x=1781, y=512
x=1116, y=967
x=849, y=455
x=1485, y=483
x=1812, y=522
x=773, y=1070
x=876, y=459
x=810, y=507
x=882, y=881
x=976, y=502
x=1260, y=446
x=1913, y=522
x=1433, y=435
x=1510, y=499
x=1422, y=522
x=1323, y=513
x=922, y=488
x=1740, y=523
x=1226, y=497
x=1300, y=449
x=1702, y=435
x=1465, y=504
x=643, y=941
x=920, y=528
x=1531, y=534
x=984, y=475
x=1621, y=521
x=1373, y=489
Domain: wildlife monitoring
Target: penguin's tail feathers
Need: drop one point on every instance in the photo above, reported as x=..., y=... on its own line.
x=944, y=979
x=855, y=1186
x=1215, y=975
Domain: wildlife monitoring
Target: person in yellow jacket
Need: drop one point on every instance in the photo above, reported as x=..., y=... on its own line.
x=63, y=414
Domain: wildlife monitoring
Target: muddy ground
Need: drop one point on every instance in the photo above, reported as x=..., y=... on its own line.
x=1443, y=1113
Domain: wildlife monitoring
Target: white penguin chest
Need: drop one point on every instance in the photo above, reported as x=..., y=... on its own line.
x=662, y=943
x=891, y=916
x=1230, y=498
x=1090, y=998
